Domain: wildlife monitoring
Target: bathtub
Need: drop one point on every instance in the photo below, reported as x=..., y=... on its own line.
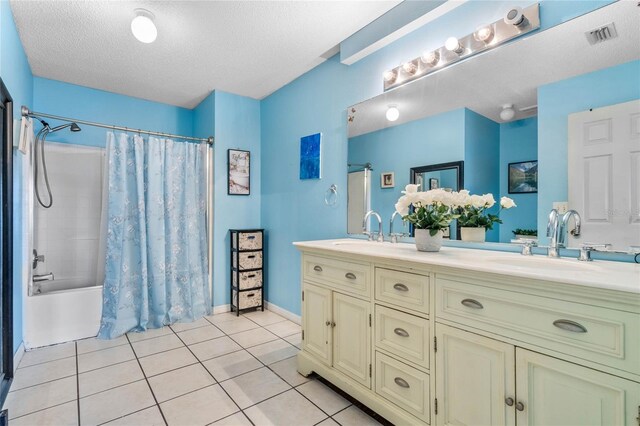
x=60, y=311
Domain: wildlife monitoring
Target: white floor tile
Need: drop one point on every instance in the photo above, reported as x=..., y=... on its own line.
x=289, y=408
x=295, y=340
x=93, y=344
x=109, y=377
x=264, y=318
x=214, y=348
x=179, y=382
x=147, y=417
x=220, y=318
x=182, y=326
x=60, y=415
x=49, y=353
x=287, y=369
x=165, y=361
x=274, y=351
x=231, y=365
x=115, y=403
x=284, y=328
x=253, y=387
x=242, y=324
x=26, y=401
x=253, y=337
x=238, y=419
x=353, y=416
x=323, y=396
x=44, y=372
x=328, y=422
x=158, y=344
x=98, y=359
x=200, y=334
x=198, y=408
x=135, y=336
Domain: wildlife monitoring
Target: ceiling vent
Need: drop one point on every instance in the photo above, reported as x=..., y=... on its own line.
x=601, y=34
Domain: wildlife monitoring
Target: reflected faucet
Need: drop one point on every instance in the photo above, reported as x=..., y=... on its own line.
x=395, y=235
x=562, y=238
x=380, y=238
x=553, y=231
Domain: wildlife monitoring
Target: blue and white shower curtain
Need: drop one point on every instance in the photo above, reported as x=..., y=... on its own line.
x=156, y=239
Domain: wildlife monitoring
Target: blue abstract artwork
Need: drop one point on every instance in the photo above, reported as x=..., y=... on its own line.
x=310, y=156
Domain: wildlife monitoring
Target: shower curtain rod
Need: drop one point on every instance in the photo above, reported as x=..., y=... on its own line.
x=28, y=113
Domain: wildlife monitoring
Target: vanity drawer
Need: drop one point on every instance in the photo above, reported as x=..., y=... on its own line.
x=403, y=385
x=248, y=299
x=247, y=260
x=248, y=241
x=344, y=275
x=404, y=289
x=404, y=335
x=248, y=279
x=593, y=333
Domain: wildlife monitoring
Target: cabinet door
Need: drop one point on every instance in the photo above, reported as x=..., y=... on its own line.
x=474, y=376
x=352, y=337
x=316, y=320
x=554, y=392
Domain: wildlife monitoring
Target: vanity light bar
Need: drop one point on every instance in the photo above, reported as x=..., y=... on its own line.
x=516, y=23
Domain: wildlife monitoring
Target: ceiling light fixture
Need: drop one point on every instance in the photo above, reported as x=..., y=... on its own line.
x=431, y=58
x=515, y=16
x=393, y=113
x=453, y=44
x=484, y=33
x=507, y=112
x=390, y=76
x=410, y=67
x=142, y=26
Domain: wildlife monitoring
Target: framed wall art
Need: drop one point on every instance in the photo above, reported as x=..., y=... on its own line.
x=523, y=177
x=238, y=172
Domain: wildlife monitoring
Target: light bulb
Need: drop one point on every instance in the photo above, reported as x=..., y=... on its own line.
x=389, y=76
x=454, y=45
x=431, y=58
x=409, y=67
x=484, y=34
x=393, y=113
x=142, y=26
x=507, y=112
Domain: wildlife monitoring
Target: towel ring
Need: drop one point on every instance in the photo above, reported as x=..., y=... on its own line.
x=331, y=196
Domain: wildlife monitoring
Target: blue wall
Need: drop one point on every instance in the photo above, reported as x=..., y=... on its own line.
x=518, y=142
x=16, y=75
x=555, y=102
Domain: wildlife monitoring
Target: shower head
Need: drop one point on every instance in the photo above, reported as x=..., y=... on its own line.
x=74, y=127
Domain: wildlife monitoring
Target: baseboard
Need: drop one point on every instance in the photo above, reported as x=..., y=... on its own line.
x=17, y=357
x=283, y=312
x=221, y=309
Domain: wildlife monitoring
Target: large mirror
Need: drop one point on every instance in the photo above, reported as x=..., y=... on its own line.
x=555, y=147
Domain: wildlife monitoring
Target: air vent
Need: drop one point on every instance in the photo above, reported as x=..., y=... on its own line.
x=601, y=34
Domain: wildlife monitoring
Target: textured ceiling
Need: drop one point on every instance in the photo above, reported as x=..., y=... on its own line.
x=250, y=48
x=510, y=74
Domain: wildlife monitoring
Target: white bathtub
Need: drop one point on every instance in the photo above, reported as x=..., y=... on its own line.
x=62, y=312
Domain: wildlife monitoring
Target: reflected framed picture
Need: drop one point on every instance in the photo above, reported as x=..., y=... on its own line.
x=238, y=172
x=434, y=183
x=523, y=177
x=387, y=180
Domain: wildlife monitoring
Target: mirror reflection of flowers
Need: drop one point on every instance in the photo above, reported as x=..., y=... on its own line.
x=433, y=210
x=473, y=210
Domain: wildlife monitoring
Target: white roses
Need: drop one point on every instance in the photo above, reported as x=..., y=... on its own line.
x=507, y=203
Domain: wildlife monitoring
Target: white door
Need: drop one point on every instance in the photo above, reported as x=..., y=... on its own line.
x=604, y=173
x=475, y=379
x=558, y=393
x=316, y=322
x=352, y=337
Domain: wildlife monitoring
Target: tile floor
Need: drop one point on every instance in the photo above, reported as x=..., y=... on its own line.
x=222, y=370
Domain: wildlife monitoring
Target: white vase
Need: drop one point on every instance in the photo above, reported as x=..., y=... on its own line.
x=475, y=235
x=426, y=242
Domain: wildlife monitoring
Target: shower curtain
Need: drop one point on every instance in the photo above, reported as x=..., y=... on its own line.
x=156, y=249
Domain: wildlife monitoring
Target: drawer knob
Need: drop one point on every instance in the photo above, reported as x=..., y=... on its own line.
x=333, y=324
x=400, y=287
x=569, y=325
x=401, y=382
x=519, y=406
x=350, y=276
x=401, y=332
x=509, y=401
x=471, y=303
x=317, y=268
x=328, y=323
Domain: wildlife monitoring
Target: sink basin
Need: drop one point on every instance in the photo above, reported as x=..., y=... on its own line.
x=567, y=265
x=353, y=243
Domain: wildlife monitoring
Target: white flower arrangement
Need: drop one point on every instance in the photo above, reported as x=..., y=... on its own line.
x=472, y=210
x=432, y=210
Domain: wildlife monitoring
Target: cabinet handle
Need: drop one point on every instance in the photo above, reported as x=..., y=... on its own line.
x=400, y=287
x=509, y=401
x=401, y=332
x=328, y=323
x=251, y=276
x=250, y=295
x=350, y=275
x=251, y=237
x=519, y=406
x=401, y=382
x=471, y=303
x=251, y=257
x=569, y=325
x=317, y=268
x=333, y=324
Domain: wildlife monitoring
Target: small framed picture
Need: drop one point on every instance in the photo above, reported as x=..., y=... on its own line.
x=523, y=177
x=434, y=183
x=387, y=180
x=238, y=172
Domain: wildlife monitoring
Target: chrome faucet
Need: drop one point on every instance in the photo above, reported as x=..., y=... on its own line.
x=380, y=238
x=553, y=232
x=395, y=235
x=562, y=238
